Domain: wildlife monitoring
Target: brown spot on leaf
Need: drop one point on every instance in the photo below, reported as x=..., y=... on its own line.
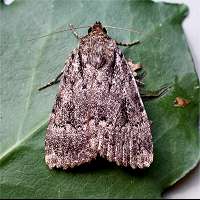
x=134, y=67
x=180, y=102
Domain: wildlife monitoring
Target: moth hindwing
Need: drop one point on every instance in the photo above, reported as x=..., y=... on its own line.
x=98, y=109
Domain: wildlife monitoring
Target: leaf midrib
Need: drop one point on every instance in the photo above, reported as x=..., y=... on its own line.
x=16, y=145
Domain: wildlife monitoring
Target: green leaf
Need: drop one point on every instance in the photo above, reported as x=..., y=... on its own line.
x=27, y=65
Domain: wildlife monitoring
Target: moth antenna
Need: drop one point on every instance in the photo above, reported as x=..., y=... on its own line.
x=125, y=29
x=61, y=31
x=42, y=36
x=130, y=30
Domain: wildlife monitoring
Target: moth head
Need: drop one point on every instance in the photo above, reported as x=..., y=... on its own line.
x=97, y=28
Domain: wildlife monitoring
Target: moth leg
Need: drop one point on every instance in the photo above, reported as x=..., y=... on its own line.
x=74, y=32
x=139, y=83
x=56, y=80
x=148, y=94
x=139, y=79
x=128, y=44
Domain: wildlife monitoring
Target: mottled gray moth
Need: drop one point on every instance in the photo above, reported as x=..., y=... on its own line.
x=98, y=109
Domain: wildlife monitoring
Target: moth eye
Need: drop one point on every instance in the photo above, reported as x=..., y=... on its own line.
x=90, y=30
x=104, y=30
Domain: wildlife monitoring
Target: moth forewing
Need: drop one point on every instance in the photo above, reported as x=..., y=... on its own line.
x=98, y=109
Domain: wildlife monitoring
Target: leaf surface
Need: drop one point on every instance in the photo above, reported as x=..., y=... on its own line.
x=27, y=65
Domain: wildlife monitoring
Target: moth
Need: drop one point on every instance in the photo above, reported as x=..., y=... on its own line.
x=98, y=110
